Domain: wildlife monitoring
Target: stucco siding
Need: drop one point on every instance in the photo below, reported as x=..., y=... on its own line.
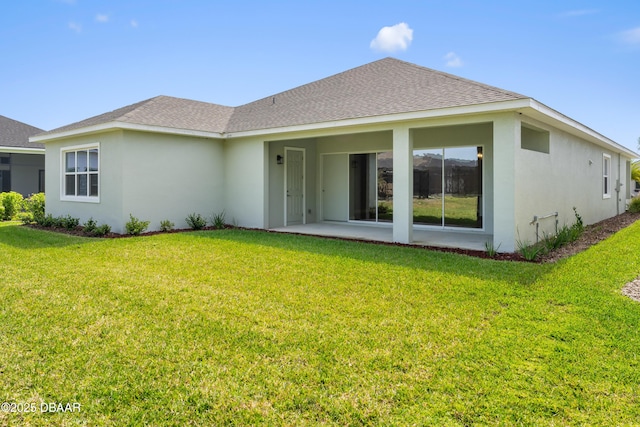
x=151, y=176
x=167, y=177
x=246, y=174
x=108, y=209
x=570, y=175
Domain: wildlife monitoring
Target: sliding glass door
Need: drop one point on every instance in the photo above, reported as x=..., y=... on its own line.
x=371, y=187
x=447, y=187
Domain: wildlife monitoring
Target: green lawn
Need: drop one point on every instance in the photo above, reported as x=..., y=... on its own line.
x=240, y=328
x=460, y=211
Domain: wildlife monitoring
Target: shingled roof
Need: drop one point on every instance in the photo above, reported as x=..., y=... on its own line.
x=163, y=111
x=383, y=87
x=16, y=134
x=387, y=86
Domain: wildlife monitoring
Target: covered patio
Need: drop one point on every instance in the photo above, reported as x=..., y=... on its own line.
x=449, y=238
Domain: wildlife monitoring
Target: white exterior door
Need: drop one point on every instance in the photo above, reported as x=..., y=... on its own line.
x=335, y=187
x=294, y=186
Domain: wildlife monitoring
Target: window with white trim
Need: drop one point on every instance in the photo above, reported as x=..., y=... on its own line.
x=606, y=176
x=81, y=169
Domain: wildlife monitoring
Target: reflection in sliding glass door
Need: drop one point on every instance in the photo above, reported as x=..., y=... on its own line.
x=427, y=187
x=447, y=187
x=371, y=187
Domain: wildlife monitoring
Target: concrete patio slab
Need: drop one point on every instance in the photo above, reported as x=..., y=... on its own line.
x=449, y=238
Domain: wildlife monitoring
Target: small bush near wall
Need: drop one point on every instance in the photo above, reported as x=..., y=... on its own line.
x=34, y=205
x=634, y=205
x=90, y=226
x=135, y=227
x=166, y=225
x=218, y=220
x=12, y=203
x=196, y=221
x=102, y=230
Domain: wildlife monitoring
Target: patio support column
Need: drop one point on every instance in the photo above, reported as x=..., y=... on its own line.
x=506, y=138
x=402, y=185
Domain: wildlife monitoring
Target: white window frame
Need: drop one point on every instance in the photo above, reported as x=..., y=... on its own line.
x=606, y=176
x=64, y=174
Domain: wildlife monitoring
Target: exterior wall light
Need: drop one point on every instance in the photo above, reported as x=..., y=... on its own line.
x=279, y=159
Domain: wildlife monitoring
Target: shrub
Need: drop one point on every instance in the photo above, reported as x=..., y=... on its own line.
x=69, y=222
x=1, y=211
x=218, y=220
x=196, y=221
x=634, y=205
x=12, y=203
x=25, y=217
x=35, y=205
x=166, y=225
x=90, y=226
x=135, y=227
x=48, y=221
x=102, y=230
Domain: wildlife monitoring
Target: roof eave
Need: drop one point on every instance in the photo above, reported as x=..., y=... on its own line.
x=118, y=125
x=491, y=107
x=548, y=115
x=21, y=150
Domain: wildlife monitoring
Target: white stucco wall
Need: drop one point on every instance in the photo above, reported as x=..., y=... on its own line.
x=108, y=210
x=246, y=174
x=167, y=177
x=152, y=176
x=570, y=175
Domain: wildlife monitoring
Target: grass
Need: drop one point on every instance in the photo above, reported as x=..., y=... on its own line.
x=460, y=210
x=239, y=328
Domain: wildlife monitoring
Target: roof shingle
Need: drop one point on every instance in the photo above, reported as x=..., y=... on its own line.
x=383, y=87
x=16, y=134
x=387, y=86
x=163, y=111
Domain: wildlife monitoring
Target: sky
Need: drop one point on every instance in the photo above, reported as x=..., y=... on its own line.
x=62, y=61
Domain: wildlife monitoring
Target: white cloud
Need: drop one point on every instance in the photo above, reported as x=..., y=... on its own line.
x=453, y=60
x=579, y=12
x=101, y=17
x=75, y=27
x=631, y=36
x=134, y=23
x=392, y=39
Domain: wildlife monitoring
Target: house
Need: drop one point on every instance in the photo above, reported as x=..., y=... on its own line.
x=389, y=147
x=21, y=161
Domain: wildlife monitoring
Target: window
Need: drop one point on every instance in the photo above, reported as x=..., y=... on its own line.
x=606, y=176
x=81, y=173
x=447, y=187
x=534, y=139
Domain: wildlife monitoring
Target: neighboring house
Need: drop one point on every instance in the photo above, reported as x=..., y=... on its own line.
x=389, y=144
x=21, y=161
